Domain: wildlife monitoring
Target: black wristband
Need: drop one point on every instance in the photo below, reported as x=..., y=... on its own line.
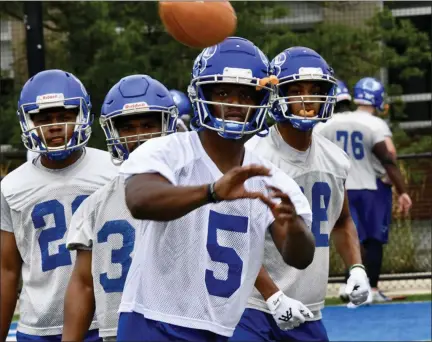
x=211, y=195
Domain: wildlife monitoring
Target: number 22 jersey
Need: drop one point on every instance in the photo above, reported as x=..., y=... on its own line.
x=36, y=206
x=199, y=270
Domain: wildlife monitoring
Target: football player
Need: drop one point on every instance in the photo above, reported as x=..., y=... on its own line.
x=39, y=198
x=210, y=202
x=185, y=109
x=377, y=236
x=367, y=140
x=135, y=110
x=305, y=96
x=343, y=98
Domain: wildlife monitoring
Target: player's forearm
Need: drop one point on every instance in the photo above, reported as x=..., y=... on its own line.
x=396, y=177
x=346, y=242
x=164, y=202
x=79, y=307
x=8, y=299
x=298, y=247
x=265, y=285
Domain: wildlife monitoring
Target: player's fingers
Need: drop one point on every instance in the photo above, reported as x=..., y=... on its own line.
x=252, y=170
x=277, y=193
x=306, y=312
x=349, y=288
x=258, y=195
x=267, y=201
x=300, y=318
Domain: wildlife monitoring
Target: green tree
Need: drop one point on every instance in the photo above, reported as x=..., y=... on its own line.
x=100, y=42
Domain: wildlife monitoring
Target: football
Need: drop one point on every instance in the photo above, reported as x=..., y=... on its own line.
x=198, y=24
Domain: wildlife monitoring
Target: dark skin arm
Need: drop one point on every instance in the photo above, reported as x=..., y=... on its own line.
x=79, y=305
x=265, y=285
x=11, y=264
x=153, y=197
x=345, y=237
x=290, y=234
x=292, y=238
x=388, y=161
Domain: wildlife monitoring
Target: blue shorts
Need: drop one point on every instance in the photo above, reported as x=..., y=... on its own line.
x=135, y=327
x=91, y=336
x=385, y=205
x=371, y=212
x=256, y=325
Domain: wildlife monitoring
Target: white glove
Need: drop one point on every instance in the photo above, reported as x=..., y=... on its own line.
x=287, y=312
x=357, y=287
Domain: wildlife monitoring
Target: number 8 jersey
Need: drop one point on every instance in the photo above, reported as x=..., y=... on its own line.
x=199, y=270
x=321, y=172
x=36, y=206
x=104, y=225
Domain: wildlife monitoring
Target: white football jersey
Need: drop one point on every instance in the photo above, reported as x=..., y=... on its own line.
x=199, y=270
x=320, y=172
x=37, y=205
x=379, y=169
x=356, y=133
x=104, y=225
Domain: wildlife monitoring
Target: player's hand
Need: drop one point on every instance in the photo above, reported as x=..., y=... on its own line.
x=285, y=210
x=231, y=185
x=405, y=203
x=357, y=287
x=287, y=312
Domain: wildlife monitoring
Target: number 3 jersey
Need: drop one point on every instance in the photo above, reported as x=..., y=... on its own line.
x=199, y=270
x=36, y=206
x=104, y=225
x=357, y=133
x=320, y=172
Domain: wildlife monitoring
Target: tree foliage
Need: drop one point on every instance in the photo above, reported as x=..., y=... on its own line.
x=100, y=42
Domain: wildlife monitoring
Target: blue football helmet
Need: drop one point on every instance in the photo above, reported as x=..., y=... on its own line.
x=342, y=92
x=136, y=95
x=54, y=89
x=298, y=64
x=234, y=61
x=370, y=92
x=182, y=102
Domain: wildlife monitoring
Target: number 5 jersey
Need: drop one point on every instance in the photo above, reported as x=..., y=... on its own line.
x=36, y=206
x=320, y=172
x=199, y=270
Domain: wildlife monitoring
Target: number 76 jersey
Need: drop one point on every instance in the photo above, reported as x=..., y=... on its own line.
x=357, y=133
x=36, y=206
x=104, y=225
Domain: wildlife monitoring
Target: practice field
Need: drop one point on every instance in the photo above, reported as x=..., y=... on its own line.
x=407, y=321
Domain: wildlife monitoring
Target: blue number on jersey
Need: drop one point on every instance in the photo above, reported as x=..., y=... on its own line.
x=226, y=255
x=55, y=208
x=320, y=190
x=77, y=202
x=319, y=214
x=356, y=143
x=120, y=256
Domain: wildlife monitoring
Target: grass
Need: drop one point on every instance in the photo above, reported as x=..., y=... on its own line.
x=410, y=298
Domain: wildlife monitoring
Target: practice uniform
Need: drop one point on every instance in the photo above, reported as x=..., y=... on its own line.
x=192, y=276
x=104, y=225
x=321, y=172
x=36, y=206
x=357, y=133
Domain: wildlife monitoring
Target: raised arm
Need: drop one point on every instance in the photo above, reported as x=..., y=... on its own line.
x=154, y=197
